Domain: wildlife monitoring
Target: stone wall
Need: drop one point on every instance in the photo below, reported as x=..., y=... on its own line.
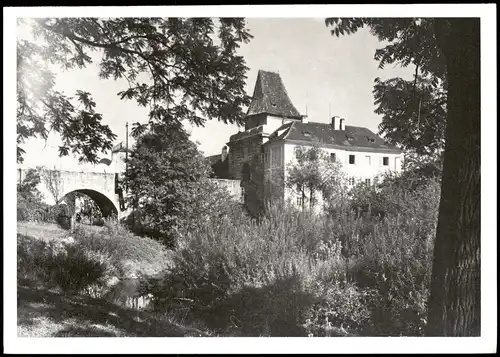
x=233, y=186
x=243, y=151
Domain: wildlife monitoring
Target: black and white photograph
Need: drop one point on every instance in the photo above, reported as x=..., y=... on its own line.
x=295, y=172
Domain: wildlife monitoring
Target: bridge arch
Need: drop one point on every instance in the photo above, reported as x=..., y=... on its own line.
x=106, y=205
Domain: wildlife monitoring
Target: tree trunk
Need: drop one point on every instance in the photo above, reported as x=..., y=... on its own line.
x=454, y=302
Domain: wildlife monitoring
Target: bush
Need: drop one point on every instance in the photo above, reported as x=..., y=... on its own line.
x=261, y=274
x=395, y=261
x=341, y=307
x=70, y=267
x=294, y=273
x=92, y=262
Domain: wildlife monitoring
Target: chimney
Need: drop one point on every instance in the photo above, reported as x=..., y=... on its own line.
x=304, y=119
x=335, y=122
x=223, y=153
x=342, y=124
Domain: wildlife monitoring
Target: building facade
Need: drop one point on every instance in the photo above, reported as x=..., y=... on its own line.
x=260, y=155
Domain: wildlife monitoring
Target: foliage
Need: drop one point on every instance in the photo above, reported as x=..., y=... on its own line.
x=410, y=41
x=413, y=112
x=408, y=193
x=92, y=262
x=89, y=211
x=447, y=50
x=313, y=172
x=27, y=188
x=292, y=273
x=180, y=67
x=393, y=260
x=53, y=181
x=168, y=177
x=29, y=199
x=298, y=273
x=413, y=116
x=30, y=205
x=41, y=108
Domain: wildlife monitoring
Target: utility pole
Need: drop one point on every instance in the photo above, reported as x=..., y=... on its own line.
x=126, y=148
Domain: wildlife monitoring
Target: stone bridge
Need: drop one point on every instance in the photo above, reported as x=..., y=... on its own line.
x=57, y=185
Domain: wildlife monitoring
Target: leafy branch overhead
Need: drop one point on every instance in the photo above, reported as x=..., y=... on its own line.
x=413, y=112
x=186, y=69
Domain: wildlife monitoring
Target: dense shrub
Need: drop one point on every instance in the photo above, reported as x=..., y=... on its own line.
x=294, y=273
x=31, y=209
x=395, y=260
x=263, y=275
x=289, y=273
x=92, y=262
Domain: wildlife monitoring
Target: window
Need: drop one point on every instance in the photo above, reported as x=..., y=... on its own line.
x=299, y=201
x=266, y=157
x=385, y=161
x=245, y=153
x=333, y=157
x=367, y=182
x=351, y=159
x=368, y=160
x=351, y=181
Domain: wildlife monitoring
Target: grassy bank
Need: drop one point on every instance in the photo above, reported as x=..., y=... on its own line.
x=56, y=269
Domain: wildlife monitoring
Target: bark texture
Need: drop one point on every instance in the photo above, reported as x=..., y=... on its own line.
x=455, y=297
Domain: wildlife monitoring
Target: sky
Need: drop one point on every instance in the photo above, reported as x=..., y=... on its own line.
x=324, y=76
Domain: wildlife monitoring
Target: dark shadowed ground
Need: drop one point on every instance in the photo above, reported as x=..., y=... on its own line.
x=44, y=313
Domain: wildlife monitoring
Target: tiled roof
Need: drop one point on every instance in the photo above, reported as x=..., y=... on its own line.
x=213, y=159
x=270, y=97
x=246, y=133
x=352, y=138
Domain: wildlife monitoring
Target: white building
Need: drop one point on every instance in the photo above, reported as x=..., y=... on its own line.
x=274, y=128
x=364, y=156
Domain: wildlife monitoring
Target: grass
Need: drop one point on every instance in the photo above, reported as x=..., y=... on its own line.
x=42, y=231
x=45, y=313
x=47, y=310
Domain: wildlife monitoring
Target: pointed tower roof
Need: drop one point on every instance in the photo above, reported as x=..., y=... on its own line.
x=270, y=97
